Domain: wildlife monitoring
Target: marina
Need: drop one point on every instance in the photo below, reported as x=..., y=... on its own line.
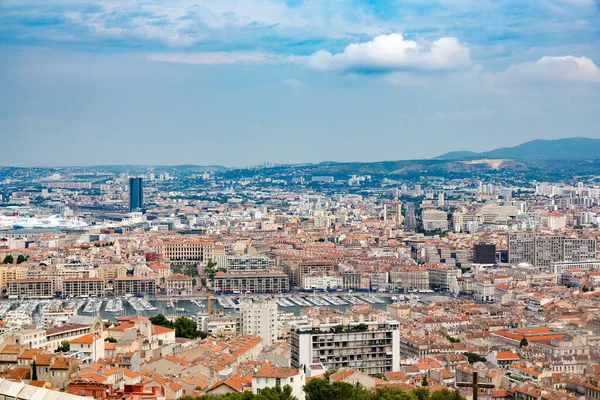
x=110, y=309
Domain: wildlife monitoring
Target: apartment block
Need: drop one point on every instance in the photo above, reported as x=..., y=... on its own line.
x=369, y=347
x=259, y=319
x=247, y=263
x=135, y=285
x=30, y=288
x=541, y=251
x=79, y=287
x=258, y=282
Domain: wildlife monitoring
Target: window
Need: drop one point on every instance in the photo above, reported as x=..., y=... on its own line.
x=278, y=382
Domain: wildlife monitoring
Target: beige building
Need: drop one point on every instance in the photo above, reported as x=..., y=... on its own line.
x=259, y=319
x=83, y=287
x=134, y=285
x=178, y=285
x=30, y=289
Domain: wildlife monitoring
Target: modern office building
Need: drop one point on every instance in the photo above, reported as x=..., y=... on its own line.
x=136, y=194
x=369, y=347
x=484, y=253
x=541, y=251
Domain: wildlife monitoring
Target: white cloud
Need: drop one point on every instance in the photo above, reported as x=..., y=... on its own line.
x=566, y=69
x=392, y=52
x=293, y=83
x=213, y=58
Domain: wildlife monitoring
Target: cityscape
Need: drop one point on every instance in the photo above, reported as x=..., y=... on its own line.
x=299, y=200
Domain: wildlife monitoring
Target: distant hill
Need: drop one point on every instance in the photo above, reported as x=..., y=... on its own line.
x=560, y=149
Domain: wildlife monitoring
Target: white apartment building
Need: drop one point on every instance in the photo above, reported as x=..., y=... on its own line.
x=259, y=319
x=321, y=281
x=370, y=347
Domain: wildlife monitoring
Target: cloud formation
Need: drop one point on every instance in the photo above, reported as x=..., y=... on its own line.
x=214, y=58
x=387, y=53
x=556, y=69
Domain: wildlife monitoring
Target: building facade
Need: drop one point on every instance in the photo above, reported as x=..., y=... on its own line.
x=369, y=347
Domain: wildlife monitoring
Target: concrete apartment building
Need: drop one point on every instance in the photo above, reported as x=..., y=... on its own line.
x=134, y=285
x=369, y=347
x=440, y=277
x=435, y=219
x=541, y=251
x=79, y=287
x=259, y=319
x=410, y=279
x=246, y=263
x=253, y=282
x=30, y=289
x=193, y=252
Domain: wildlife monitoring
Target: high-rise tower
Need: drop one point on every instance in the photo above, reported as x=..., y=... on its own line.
x=136, y=194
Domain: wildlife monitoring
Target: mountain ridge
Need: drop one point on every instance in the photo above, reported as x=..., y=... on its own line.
x=557, y=149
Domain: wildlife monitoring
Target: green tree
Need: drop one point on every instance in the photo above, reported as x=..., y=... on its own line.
x=387, y=393
x=191, y=270
x=321, y=389
x=186, y=328
x=177, y=269
x=110, y=340
x=276, y=393
x=21, y=259
x=523, y=342
x=445, y=394
x=424, y=381
x=64, y=346
x=8, y=259
x=474, y=357
x=161, y=320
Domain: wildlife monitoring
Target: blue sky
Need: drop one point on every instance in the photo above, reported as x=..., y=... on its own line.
x=241, y=82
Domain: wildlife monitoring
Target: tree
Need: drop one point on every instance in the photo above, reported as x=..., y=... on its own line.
x=191, y=270
x=161, y=320
x=473, y=357
x=424, y=381
x=64, y=347
x=8, y=259
x=33, y=371
x=276, y=393
x=21, y=259
x=110, y=340
x=186, y=328
x=523, y=342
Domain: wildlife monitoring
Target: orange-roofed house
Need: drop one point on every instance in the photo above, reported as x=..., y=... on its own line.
x=503, y=358
x=267, y=377
x=91, y=346
x=354, y=377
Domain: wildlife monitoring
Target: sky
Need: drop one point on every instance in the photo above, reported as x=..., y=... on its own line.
x=241, y=82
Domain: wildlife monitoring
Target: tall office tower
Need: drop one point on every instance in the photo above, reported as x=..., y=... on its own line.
x=484, y=253
x=540, y=251
x=136, y=194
